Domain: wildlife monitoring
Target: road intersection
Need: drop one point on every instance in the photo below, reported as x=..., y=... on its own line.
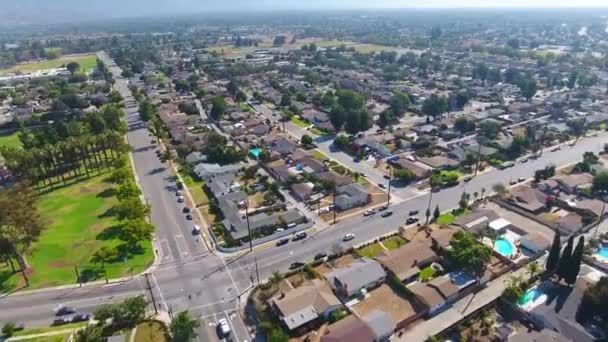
x=189, y=276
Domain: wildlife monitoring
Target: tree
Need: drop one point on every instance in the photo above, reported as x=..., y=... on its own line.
x=405, y=175
x=342, y=142
x=183, y=327
x=72, y=67
x=563, y=267
x=554, y=253
x=131, y=208
x=435, y=105
x=104, y=255
x=594, y=302
x=489, y=128
x=600, y=183
x=91, y=333
x=499, y=188
x=8, y=329
x=306, y=140
x=467, y=253
x=240, y=96
x=133, y=231
x=436, y=213
x=218, y=107
x=278, y=41
x=146, y=110
x=399, y=103
x=575, y=261
x=464, y=125
x=337, y=116
x=285, y=100
x=533, y=268
x=528, y=87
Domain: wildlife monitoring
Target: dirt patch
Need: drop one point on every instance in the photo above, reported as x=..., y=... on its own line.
x=385, y=299
x=59, y=264
x=342, y=261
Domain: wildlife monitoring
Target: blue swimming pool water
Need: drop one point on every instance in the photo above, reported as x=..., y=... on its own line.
x=530, y=296
x=504, y=247
x=255, y=152
x=603, y=252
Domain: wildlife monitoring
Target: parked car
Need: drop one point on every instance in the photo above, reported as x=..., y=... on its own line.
x=299, y=236
x=386, y=177
x=178, y=193
x=386, y=213
x=512, y=182
x=412, y=220
x=413, y=212
x=223, y=327
x=320, y=256
x=382, y=208
x=62, y=321
x=282, y=242
x=369, y=212
x=467, y=179
x=186, y=210
x=382, y=186
x=348, y=237
x=64, y=310
x=296, y=265
x=555, y=149
x=521, y=179
x=81, y=317
x=180, y=199
x=189, y=217
x=196, y=230
x=524, y=160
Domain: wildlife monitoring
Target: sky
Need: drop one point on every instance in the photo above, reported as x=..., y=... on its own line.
x=62, y=10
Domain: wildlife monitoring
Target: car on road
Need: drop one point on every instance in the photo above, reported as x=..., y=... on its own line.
x=412, y=220
x=320, y=256
x=62, y=321
x=535, y=156
x=186, y=210
x=467, y=179
x=382, y=186
x=348, y=237
x=386, y=213
x=296, y=265
x=223, y=327
x=512, y=182
x=178, y=193
x=180, y=199
x=189, y=217
x=555, y=149
x=386, y=177
x=521, y=179
x=81, y=317
x=299, y=236
x=64, y=310
x=413, y=212
x=524, y=160
x=282, y=242
x=382, y=208
x=369, y=212
x=196, y=230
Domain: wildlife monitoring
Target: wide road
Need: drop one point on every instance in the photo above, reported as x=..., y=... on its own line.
x=189, y=276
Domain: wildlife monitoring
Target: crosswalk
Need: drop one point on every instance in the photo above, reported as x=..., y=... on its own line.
x=209, y=327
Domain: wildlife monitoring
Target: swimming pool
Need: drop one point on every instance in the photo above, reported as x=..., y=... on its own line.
x=529, y=297
x=504, y=247
x=255, y=152
x=603, y=252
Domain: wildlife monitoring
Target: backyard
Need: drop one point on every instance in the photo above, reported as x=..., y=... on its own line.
x=150, y=331
x=298, y=121
x=87, y=63
x=79, y=220
x=11, y=140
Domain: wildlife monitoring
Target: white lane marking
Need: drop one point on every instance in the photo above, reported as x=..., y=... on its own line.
x=160, y=291
x=230, y=275
x=236, y=336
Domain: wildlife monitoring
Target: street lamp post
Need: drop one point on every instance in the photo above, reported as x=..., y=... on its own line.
x=428, y=207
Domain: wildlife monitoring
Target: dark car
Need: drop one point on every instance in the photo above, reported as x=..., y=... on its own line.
x=81, y=317
x=411, y=220
x=296, y=265
x=382, y=186
x=386, y=213
x=282, y=242
x=321, y=255
x=413, y=212
x=188, y=217
x=382, y=208
x=299, y=236
x=386, y=177
x=64, y=310
x=62, y=321
x=186, y=210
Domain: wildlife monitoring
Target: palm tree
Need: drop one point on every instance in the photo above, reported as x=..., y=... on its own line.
x=183, y=327
x=475, y=195
x=483, y=191
x=276, y=277
x=534, y=269
x=156, y=128
x=102, y=256
x=92, y=333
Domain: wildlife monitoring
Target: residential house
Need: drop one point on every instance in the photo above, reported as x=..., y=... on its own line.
x=439, y=162
x=594, y=206
x=361, y=274
x=476, y=220
x=418, y=169
x=408, y=260
x=372, y=144
x=528, y=199
x=534, y=243
x=350, y=196
x=331, y=176
x=381, y=324
x=304, y=304
x=206, y=171
x=195, y=158
x=302, y=191
x=351, y=329
x=441, y=291
x=568, y=184
x=281, y=145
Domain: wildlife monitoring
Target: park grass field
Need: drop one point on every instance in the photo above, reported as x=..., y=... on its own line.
x=87, y=63
x=11, y=140
x=79, y=221
x=150, y=331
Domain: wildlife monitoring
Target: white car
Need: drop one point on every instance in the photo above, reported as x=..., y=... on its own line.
x=348, y=237
x=224, y=327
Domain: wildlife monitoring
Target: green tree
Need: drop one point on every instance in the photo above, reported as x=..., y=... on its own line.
x=183, y=327
x=337, y=116
x=489, y=128
x=131, y=208
x=8, y=329
x=464, y=125
x=72, y=67
x=575, y=261
x=405, y=175
x=399, y=102
x=104, y=255
x=133, y=231
x=467, y=253
x=600, y=182
x=306, y=140
x=218, y=107
x=594, y=302
x=554, y=253
x=91, y=333
x=435, y=105
x=127, y=189
x=436, y=213
x=563, y=267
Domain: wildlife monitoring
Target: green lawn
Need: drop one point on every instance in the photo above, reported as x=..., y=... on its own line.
x=449, y=218
x=49, y=329
x=427, y=273
x=318, y=155
x=10, y=140
x=298, y=121
x=87, y=63
x=370, y=251
x=196, y=189
x=79, y=222
x=150, y=331
x=315, y=130
x=54, y=338
x=394, y=242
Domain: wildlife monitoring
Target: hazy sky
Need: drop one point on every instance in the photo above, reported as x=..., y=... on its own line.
x=55, y=10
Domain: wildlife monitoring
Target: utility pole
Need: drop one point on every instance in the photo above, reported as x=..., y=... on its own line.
x=390, y=180
x=334, y=203
x=600, y=219
x=478, y=158
x=248, y=226
x=151, y=293
x=428, y=208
